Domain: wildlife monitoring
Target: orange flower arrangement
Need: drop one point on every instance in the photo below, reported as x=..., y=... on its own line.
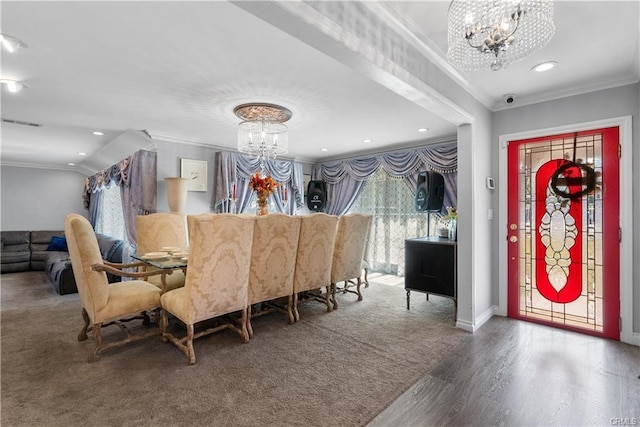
x=262, y=186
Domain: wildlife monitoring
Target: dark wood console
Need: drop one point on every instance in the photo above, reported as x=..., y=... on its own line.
x=431, y=267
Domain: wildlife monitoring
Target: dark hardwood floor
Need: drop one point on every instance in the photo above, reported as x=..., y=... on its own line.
x=516, y=373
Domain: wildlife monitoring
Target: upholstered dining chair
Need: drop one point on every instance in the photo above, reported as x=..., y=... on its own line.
x=273, y=262
x=158, y=230
x=348, y=253
x=217, y=280
x=104, y=304
x=313, y=263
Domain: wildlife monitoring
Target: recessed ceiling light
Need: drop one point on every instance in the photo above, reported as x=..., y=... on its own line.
x=13, y=86
x=324, y=149
x=11, y=43
x=423, y=130
x=366, y=140
x=71, y=164
x=545, y=66
x=82, y=154
x=98, y=133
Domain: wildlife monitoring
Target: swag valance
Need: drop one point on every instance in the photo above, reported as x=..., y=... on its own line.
x=235, y=168
x=345, y=178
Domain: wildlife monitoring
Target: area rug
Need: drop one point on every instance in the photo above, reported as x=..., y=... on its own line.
x=339, y=368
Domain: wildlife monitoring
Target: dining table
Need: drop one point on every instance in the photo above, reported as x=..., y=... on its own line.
x=166, y=263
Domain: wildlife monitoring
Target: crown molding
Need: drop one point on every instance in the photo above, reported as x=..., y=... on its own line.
x=40, y=166
x=553, y=95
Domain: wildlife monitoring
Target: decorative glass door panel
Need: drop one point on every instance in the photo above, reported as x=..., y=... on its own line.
x=563, y=242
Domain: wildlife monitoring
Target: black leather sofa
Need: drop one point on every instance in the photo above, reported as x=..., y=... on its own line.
x=27, y=250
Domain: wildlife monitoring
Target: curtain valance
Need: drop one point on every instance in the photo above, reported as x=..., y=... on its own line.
x=115, y=174
x=345, y=178
x=441, y=158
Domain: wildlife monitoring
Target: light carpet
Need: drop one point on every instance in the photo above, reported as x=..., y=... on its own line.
x=339, y=368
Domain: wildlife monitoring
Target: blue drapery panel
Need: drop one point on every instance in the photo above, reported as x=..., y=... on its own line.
x=235, y=168
x=345, y=178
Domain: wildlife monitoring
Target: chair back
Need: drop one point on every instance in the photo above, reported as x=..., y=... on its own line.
x=350, y=246
x=273, y=258
x=315, y=251
x=219, y=263
x=84, y=252
x=158, y=230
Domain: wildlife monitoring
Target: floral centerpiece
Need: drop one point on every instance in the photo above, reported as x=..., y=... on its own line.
x=263, y=188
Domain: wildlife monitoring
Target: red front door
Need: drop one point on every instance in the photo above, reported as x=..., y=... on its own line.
x=563, y=231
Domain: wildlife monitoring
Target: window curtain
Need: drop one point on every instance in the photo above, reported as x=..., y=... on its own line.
x=345, y=178
x=235, y=168
x=136, y=176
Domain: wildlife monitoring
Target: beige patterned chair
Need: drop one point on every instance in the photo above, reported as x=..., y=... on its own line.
x=217, y=281
x=348, y=254
x=104, y=304
x=159, y=230
x=273, y=261
x=313, y=263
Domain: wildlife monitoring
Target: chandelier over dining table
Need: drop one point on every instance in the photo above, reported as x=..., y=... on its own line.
x=262, y=132
x=491, y=34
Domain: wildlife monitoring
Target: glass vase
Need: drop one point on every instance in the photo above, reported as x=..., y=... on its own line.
x=262, y=205
x=453, y=229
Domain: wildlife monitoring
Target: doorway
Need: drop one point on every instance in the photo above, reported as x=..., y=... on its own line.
x=563, y=220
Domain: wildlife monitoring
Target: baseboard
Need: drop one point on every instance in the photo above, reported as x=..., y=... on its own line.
x=480, y=320
x=635, y=339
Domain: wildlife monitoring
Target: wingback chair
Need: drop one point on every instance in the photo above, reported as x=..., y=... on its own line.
x=273, y=262
x=104, y=304
x=156, y=231
x=217, y=280
x=348, y=253
x=313, y=263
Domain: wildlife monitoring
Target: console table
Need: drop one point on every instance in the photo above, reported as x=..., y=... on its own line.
x=431, y=267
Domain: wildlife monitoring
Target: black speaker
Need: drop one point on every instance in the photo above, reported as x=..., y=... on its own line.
x=429, y=192
x=316, y=196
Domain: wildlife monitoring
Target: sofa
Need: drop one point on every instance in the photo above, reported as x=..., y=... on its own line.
x=46, y=251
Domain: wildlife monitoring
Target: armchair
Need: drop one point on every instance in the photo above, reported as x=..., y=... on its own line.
x=348, y=254
x=313, y=263
x=159, y=230
x=104, y=304
x=273, y=261
x=217, y=280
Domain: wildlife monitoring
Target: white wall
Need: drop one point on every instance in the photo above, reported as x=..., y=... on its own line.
x=39, y=199
x=169, y=155
x=600, y=105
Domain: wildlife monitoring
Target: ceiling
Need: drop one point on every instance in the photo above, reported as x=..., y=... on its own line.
x=177, y=70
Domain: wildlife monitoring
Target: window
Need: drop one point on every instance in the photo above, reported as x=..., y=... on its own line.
x=391, y=203
x=110, y=219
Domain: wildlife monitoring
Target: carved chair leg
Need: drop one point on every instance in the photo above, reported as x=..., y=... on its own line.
x=164, y=321
x=366, y=279
x=191, y=354
x=296, y=315
x=290, y=310
x=82, y=336
x=245, y=325
x=333, y=296
x=358, y=289
x=146, y=321
x=246, y=331
x=97, y=334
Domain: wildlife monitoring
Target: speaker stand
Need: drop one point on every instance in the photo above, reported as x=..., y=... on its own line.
x=428, y=224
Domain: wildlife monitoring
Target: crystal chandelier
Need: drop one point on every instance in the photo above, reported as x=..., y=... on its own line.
x=262, y=133
x=493, y=34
